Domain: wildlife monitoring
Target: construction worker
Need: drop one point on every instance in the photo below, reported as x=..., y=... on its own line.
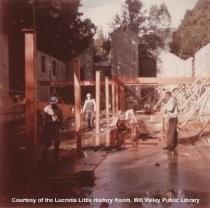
x=52, y=125
x=170, y=113
x=130, y=117
x=132, y=124
x=89, y=108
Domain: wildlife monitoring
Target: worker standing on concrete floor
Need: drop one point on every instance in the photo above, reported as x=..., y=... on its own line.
x=170, y=113
x=89, y=109
x=52, y=125
x=130, y=117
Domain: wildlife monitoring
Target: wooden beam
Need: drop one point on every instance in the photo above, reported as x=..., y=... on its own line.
x=61, y=83
x=69, y=83
x=107, y=99
x=97, y=101
x=31, y=106
x=122, y=98
x=160, y=80
x=77, y=97
x=108, y=138
x=125, y=81
x=92, y=83
x=117, y=97
x=113, y=98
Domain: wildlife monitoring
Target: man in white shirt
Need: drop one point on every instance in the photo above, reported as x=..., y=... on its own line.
x=89, y=108
x=170, y=113
x=130, y=117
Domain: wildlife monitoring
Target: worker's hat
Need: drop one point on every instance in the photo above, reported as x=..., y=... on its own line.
x=53, y=100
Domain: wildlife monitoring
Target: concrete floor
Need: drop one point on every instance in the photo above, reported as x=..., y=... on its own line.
x=144, y=172
x=152, y=171
x=149, y=172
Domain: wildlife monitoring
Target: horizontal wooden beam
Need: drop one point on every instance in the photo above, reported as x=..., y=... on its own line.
x=127, y=81
x=55, y=83
x=161, y=80
x=93, y=83
x=69, y=83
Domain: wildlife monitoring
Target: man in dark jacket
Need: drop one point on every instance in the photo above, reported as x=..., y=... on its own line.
x=52, y=125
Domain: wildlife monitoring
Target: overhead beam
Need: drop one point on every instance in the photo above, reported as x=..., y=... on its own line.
x=160, y=80
x=126, y=81
x=69, y=83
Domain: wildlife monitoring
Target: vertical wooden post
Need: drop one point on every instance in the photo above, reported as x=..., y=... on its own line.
x=108, y=138
x=31, y=106
x=117, y=97
x=77, y=104
x=107, y=99
x=97, y=101
x=113, y=97
x=122, y=99
x=133, y=135
x=97, y=139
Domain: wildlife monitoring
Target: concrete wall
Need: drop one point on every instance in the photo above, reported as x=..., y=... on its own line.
x=124, y=61
x=86, y=64
x=48, y=69
x=124, y=55
x=4, y=65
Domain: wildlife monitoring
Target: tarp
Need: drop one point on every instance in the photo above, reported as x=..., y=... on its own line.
x=170, y=65
x=202, y=62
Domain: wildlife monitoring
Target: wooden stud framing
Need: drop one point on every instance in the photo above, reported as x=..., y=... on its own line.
x=113, y=98
x=97, y=101
x=117, y=97
x=122, y=98
x=77, y=97
x=107, y=99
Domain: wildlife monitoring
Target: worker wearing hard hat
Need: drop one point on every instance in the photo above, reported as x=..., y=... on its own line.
x=89, y=108
x=52, y=124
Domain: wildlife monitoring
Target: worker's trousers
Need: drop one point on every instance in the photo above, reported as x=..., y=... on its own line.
x=51, y=133
x=172, y=135
x=89, y=117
